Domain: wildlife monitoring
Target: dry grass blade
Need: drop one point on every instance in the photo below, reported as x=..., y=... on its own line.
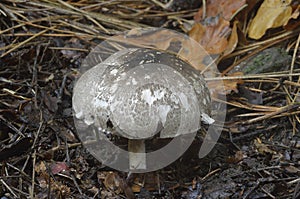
x=42, y=46
x=271, y=115
x=87, y=15
x=27, y=40
x=253, y=107
x=32, y=22
x=258, y=76
x=67, y=8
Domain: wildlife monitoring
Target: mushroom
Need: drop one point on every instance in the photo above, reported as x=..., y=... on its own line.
x=140, y=94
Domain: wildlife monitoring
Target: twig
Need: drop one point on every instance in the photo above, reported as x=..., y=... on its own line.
x=34, y=157
x=164, y=6
x=210, y=174
x=293, y=181
x=258, y=76
x=12, y=126
x=8, y=188
x=266, y=116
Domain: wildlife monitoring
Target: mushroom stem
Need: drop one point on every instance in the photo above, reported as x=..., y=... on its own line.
x=137, y=154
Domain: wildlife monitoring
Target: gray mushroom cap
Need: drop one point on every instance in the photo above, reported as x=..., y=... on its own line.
x=143, y=92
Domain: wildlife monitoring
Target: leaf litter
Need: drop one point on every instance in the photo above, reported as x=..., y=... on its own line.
x=42, y=45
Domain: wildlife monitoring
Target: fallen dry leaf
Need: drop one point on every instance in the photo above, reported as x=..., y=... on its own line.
x=233, y=40
x=50, y=101
x=196, y=55
x=173, y=42
x=262, y=148
x=271, y=14
x=293, y=22
x=58, y=167
x=224, y=8
x=45, y=179
x=248, y=8
x=161, y=39
x=213, y=36
x=225, y=87
x=112, y=182
x=148, y=181
x=239, y=156
x=41, y=167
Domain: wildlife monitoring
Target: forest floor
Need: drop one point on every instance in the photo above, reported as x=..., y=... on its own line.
x=42, y=46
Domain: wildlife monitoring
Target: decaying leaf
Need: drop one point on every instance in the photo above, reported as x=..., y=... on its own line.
x=50, y=101
x=170, y=41
x=197, y=57
x=293, y=22
x=41, y=167
x=216, y=88
x=271, y=14
x=148, y=182
x=224, y=8
x=58, y=167
x=45, y=180
x=213, y=36
x=43, y=176
x=160, y=39
x=236, y=158
x=262, y=148
x=112, y=182
x=233, y=40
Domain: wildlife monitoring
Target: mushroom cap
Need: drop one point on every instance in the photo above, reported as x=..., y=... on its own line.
x=142, y=92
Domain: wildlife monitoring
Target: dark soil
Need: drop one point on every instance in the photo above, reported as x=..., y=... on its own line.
x=42, y=157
